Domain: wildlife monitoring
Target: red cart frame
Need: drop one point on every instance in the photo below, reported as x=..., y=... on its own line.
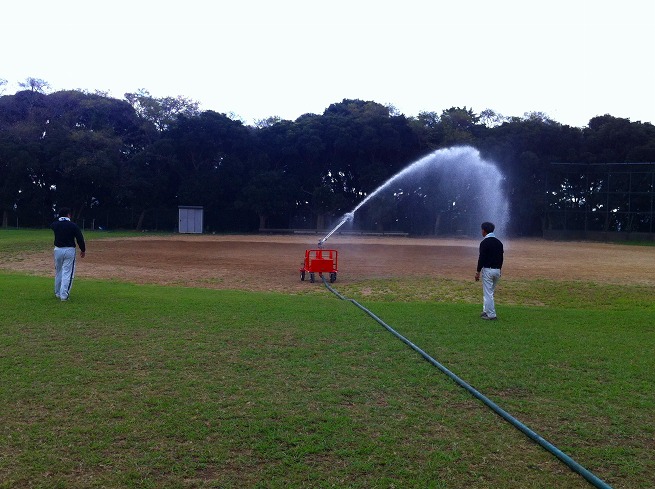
x=320, y=261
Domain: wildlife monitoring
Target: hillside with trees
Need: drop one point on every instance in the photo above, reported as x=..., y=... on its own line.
x=129, y=163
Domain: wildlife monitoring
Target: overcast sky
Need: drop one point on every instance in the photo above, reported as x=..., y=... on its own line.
x=570, y=59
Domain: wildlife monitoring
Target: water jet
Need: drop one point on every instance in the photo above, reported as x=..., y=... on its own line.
x=458, y=175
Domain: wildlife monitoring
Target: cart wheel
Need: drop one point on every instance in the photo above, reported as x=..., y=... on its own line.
x=333, y=277
x=311, y=277
x=302, y=276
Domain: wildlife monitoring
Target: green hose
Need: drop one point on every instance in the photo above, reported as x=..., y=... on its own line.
x=572, y=464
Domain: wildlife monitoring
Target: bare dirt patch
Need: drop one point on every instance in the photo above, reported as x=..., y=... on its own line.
x=272, y=263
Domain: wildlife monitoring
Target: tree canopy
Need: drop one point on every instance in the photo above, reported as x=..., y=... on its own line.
x=129, y=163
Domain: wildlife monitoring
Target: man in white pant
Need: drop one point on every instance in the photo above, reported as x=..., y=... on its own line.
x=66, y=234
x=490, y=261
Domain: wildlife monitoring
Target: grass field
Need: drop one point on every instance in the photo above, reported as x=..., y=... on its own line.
x=144, y=386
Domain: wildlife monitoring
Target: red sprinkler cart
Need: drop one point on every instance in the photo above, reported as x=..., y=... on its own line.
x=319, y=261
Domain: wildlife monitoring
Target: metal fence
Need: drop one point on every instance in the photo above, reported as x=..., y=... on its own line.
x=600, y=200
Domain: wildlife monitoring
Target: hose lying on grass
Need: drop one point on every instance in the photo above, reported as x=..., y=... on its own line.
x=572, y=464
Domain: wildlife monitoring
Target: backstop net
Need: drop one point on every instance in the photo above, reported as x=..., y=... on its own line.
x=599, y=200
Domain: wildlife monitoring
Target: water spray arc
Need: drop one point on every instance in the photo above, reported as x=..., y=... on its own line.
x=350, y=216
x=463, y=171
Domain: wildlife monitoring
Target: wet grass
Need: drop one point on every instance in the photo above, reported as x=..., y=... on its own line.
x=144, y=386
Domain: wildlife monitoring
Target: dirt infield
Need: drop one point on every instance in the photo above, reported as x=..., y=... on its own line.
x=272, y=263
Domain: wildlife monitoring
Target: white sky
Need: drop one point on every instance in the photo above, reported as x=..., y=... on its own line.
x=572, y=59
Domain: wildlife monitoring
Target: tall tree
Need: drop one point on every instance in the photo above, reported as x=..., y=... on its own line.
x=161, y=111
x=459, y=124
x=35, y=85
x=610, y=139
x=208, y=147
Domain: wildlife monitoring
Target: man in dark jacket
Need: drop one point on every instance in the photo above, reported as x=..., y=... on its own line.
x=66, y=234
x=490, y=262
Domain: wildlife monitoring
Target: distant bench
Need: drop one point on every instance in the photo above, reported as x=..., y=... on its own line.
x=275, y=231
x=325, y=231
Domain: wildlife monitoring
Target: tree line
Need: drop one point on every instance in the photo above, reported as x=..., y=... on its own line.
x=129, y=163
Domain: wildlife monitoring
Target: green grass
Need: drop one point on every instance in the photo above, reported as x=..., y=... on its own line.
x=129, y=386
x=540, y=293
x=14, y=242
x=29, y=237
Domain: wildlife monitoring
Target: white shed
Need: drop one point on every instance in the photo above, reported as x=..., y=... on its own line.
x=190, y=219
